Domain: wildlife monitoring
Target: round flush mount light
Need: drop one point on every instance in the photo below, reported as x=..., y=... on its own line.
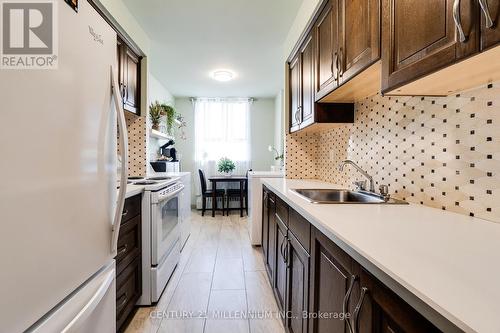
x=223, y=75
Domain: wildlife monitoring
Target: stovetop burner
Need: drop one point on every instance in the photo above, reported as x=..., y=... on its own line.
x=159, y=178
x=135, y=178
x=145, y=182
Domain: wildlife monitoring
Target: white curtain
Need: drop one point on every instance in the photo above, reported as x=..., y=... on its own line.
x=222, y=129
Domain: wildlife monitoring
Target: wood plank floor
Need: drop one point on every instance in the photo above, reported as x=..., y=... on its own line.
x=220, y=279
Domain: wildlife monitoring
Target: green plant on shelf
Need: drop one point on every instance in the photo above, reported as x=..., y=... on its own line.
x=171, y=116
x=155, y=114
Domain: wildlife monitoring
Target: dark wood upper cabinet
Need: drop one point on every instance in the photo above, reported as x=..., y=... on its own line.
x=490, y=27
x=420, y=37
x=307, y=68
x=327, y=39
x=360, y=36
x=295, y=94
x=129, y=77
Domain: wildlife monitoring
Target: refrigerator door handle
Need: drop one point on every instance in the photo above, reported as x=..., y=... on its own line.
x=122, y=127
x=94, y=301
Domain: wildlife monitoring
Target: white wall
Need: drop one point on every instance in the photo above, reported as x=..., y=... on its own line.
x=150, y=86
x=186, y=147
x=279, y=124
x=303, y=17
x=158, y=92
x=262, y=129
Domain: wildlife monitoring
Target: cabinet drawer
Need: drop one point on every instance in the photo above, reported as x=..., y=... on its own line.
x=301, y=228
x=282, y=210
x=128, y=291
x=131, y=208
x=129, y=243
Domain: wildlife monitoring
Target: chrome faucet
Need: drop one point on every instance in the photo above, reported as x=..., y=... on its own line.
x=363, y=172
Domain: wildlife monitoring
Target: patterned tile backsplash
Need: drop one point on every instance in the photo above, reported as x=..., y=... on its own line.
x=442, y=152
x=137, y=144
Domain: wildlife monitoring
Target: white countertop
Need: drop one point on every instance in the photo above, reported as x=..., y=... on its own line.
x=169, y=174
x=449, y=261
x=266, y=174
x=133, y=190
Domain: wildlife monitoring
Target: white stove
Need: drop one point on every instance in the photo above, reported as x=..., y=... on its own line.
x=153, y=183
x=160, y=234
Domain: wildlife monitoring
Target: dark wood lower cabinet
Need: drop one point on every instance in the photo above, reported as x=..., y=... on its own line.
x=382, y=310
x=280, y=278
x=298, y=286
x=334, y=277
x=268, y=232
x=128, y=291
x=324, y=290
x=128, y=263
x=265, y=224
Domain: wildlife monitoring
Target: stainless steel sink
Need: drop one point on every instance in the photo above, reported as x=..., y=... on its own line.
x=334, y=196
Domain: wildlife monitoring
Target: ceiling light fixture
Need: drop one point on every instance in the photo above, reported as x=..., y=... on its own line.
x=223, y=75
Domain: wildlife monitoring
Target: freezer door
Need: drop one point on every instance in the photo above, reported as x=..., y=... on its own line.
x=58, y=167
x=92, y=308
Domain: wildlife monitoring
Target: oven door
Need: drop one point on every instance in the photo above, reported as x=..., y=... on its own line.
x=165, y=225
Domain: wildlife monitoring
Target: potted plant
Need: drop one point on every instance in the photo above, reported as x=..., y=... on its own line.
x=169, y=111
x=277, y=156
x=156, y=112
x=226, y=166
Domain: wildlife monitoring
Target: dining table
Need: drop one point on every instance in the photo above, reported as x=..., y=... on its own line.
x=228, y=179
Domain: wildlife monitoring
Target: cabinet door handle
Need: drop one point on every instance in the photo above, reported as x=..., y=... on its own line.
x=341, y=72
x=458, y=21
x=364, y=290
x=125, y=213
x=122, y=90
x=122, y=250
x=486, y=11
x=298, y=115
x=287, y=250
x=122, y=301
x=336, y=76
x=281, y=249
x=346, y=301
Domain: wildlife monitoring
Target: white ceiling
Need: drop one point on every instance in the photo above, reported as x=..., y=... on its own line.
x=190, y=38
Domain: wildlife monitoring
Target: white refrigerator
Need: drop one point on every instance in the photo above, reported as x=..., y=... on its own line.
x=59, y=205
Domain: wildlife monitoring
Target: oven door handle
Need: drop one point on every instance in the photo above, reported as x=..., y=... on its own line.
x=170, y=195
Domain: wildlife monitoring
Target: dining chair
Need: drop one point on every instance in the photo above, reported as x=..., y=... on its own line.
x=206, y=194
x=235, y=194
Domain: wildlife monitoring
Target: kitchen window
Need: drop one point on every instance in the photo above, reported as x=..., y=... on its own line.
x=222, y=129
